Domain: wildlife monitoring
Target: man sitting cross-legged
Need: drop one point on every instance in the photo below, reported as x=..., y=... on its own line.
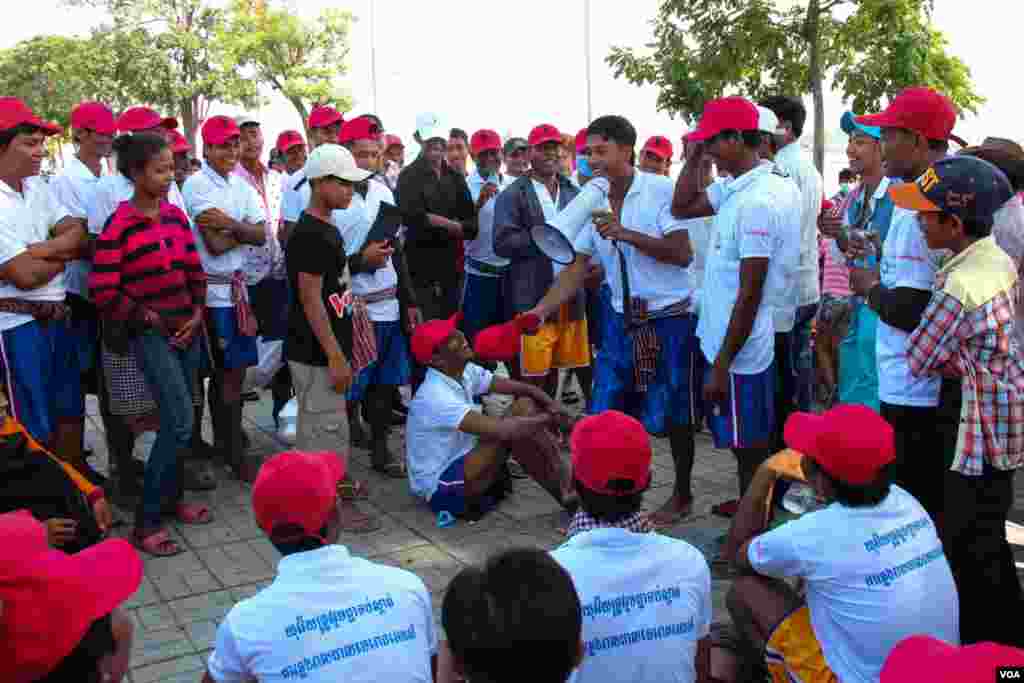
x=872, y=560
x=456, y=454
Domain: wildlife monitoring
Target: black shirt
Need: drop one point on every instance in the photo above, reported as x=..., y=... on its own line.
x=315, y=247
x=431, y=252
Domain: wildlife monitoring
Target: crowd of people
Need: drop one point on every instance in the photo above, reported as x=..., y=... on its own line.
x=864, y=347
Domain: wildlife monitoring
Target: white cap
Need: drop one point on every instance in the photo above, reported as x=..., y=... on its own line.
x=246, y=119
x=334, y=160
x=767, y=121
x=429, y=126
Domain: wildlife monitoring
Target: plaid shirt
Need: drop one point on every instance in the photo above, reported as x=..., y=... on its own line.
x=967, y=332
x=581, y=521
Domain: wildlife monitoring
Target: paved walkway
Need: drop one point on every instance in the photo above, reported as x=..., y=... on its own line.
x=183, y=598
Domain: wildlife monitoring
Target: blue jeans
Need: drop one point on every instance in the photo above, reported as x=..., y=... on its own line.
x=169, y=373
x=803, y=356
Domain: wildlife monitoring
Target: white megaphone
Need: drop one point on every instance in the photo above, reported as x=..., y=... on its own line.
x=554, y=238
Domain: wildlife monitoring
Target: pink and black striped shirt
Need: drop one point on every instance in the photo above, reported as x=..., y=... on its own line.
x=140, y=262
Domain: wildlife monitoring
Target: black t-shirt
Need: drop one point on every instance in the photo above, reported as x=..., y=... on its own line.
x=316, y=247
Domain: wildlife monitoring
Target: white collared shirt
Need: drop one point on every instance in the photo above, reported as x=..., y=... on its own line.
x=481, y=248
x=354, y=224
x=329, y=616
x=642, y=621
x=74, y=190
x=752, y=221
x=295, y=197
x=206, y=190
x=26, y=218
x=268, y=258
x=801, y=169
x=647, y=209
x=906, y=262
x=432, y=437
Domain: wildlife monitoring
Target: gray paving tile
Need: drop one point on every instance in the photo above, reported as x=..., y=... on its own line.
x=435, y=567
x=153, y=618
x=203, y=634
x=248, y=590
x=189, y=668
x=206, y=535
x=204, y=607
x=235, y=564
x=160, y=646
x=145, y=595
x=477, y=548
x=265, y=549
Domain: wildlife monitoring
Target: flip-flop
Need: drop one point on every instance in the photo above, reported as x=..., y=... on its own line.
x=158, y=544
x=193, y=513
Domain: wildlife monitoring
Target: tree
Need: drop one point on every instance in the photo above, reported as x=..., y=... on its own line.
x=197, y=70
x=703, y=49
x=300, y=59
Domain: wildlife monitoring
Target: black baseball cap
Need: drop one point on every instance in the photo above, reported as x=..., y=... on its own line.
x=963, y=186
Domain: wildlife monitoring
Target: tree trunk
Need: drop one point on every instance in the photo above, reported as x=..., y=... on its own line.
x=813, y=36
x=189, y=124
x=300, y=107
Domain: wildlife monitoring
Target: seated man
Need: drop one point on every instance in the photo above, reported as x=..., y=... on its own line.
x=495, y=635
x=872, y=560
x=328, y=616
x=662, y=585
x=59, y=614
x=456, y=454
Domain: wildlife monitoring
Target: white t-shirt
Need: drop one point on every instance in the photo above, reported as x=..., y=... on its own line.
x=874, y=576
x=329, y=616
x=206, y=190
x=294, y=201
x=647, y=209
x=26, y=218
x=482, y=247
x=906, y=262
x=752, y=221
x=432, y=437
x=801, y=169
x=354, y=224
x=642, y=620
x=700, y=231
x=73, y=189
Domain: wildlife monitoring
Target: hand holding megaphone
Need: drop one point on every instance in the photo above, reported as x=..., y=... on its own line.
x=608, y=225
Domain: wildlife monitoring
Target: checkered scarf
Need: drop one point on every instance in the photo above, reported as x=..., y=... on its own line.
x=581, y=521
x=240, y=299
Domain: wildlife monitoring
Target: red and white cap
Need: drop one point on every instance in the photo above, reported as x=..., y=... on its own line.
x=921, y=110
x=431, y=334
x=725, y=113
x=611, y=454
x=219, y=129
x=658, y=145
x=852, y=443
x=296, y=491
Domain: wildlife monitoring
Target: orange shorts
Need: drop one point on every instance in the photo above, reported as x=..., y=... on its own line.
x=561, y=344
x=793, y=652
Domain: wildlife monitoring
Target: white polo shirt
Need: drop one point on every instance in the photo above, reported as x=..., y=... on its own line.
x=794, y=161
x=294, y=201
x=329, y=616
x=700, y=232
x=74, y=190
x=875, y=575
x=208, y=189
x=482, y=247
x=432, y=437
x=26, y=218
x=642, y=621
x=751, y=222
x=267, y=259
x=647, y=209
x=906, y=262
x=354, y=224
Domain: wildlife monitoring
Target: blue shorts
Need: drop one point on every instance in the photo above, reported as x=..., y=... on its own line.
x=231, y=350
x=393, y=366
x=747, y=417
x=450, y=495
x=669, y=399
x=483, y=304
x=44, y=382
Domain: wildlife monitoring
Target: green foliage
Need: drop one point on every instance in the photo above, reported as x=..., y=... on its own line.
x=301, y=59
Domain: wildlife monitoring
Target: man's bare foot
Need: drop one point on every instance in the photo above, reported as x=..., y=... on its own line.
x=675, y=510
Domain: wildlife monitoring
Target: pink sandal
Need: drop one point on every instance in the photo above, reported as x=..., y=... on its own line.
x=158, y=544
x=193, y=513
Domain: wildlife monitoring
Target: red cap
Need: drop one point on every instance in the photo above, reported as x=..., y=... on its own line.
x=501, y=342
x=297, y=489
x=143, y=118
x=323, y=116
x=14, y=112
x=581, y=140
x=179, y=145
x=725, y=113
x=219, y=129
x=361, y=128
x=483, y=140
x=429, y=335
x=611, y=454
x=850, y=442
x=921, y=110
x=924, y=658
x=94, y=116
x=288, y=139
x=660, y=145
x=392, y=140
x=50, y=598
x=827, y=205
x=545, y=132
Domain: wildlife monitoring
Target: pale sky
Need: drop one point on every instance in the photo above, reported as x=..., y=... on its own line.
x=512, y=65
